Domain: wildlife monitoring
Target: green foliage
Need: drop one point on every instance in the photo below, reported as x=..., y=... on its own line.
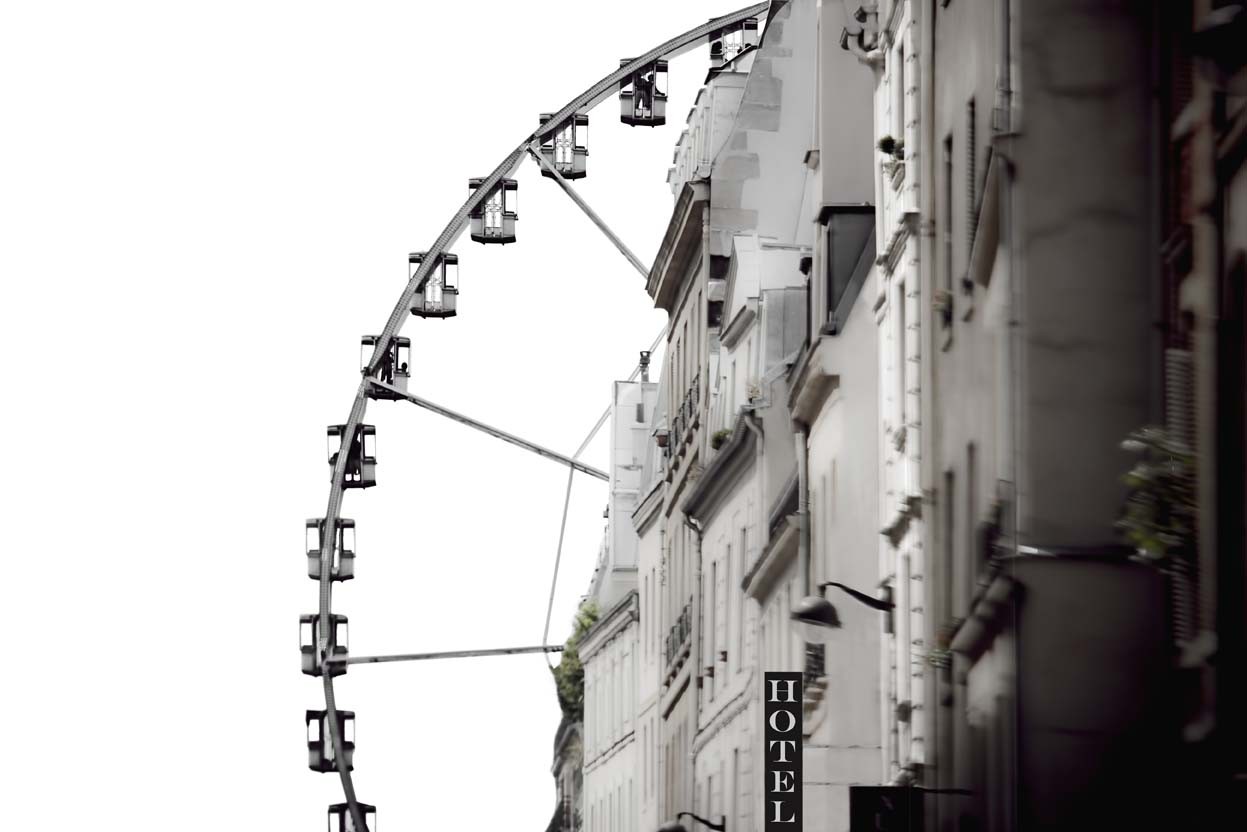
x=569, y=675
x=892, y=147
x=1159, y=515
x=719, y=437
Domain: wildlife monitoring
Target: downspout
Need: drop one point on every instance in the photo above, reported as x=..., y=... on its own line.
x=1014, y=356
x=800, y=438
x=928, y=349
x=755, y=425
x=695, y=671
x=660, y=743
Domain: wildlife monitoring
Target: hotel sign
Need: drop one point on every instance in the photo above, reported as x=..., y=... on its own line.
x=781, y=733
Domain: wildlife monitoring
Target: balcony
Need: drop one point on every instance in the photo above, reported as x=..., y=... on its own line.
x=686, y=414
x=814, y=678
x=678, y=635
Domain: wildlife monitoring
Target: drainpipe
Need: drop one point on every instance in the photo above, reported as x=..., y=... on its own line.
x=800, y=437
x=1014, y=357
x=1004, y=72
x=927, y=416
x=695, y=660
x=663, y=627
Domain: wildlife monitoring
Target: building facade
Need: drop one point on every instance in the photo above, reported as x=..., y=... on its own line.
x=932, y=267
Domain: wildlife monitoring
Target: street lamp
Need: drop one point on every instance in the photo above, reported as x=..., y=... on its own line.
x=676, y=826
x=816, y=619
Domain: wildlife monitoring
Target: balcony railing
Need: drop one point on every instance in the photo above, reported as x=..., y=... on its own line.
x=686, y=412
x=815, y=663
x=679, y=633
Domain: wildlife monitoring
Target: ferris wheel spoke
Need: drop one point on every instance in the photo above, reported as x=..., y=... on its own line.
x=449, y=654
x=553, y=173
x=570, y=462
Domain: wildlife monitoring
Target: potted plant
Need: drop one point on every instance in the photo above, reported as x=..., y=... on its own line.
x=943, y=303
x=895, y=150
x=1158, y=517
x=892, y=147
x=719, y=437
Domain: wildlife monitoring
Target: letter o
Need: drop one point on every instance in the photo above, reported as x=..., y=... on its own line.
x=792, y=721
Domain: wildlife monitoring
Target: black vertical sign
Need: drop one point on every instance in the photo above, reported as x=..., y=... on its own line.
x=781, y=731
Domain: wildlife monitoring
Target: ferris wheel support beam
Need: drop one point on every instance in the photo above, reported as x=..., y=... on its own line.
x=589, y=212
x=448, y=654
x=495, y=432
x=588, y=99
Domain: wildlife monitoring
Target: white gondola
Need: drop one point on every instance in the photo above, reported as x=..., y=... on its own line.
x=493, y=219
x=567, y=148
x=361, y=460
x=730, y=41
x=643, y=95
x=320, y=754
x=309, y=637
x=340, y=819
x=395, y=367
x=342, y=567
x=440, y=296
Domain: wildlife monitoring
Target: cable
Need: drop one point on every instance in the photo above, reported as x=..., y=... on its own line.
x=558, y=554
x=558, y=557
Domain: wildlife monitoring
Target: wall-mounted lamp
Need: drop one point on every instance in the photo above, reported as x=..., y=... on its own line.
x=676, y=826
x=816, y=619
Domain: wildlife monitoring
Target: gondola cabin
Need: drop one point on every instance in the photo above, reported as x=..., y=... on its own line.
x=440, y=295
x=643, y=95
x=309, y=637
x=340, y=819
x=395, y=366
x=361, y=459
x=730, y=41
x=320, y=753
x=493, y=218
x=567, y=148
x=342, y=567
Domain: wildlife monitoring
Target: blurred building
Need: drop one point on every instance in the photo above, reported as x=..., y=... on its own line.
x=568, y=777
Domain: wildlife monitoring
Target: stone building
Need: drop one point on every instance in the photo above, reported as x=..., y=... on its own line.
x=931, y=264
x=568, y=777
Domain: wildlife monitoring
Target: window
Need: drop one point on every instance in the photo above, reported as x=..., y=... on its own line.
x=848, y=252
x=728, y=566
x=644, y=761
x=898, y=95
x=945, y=220
x=902, y=416
x=974, y=555
x=971, y=184
x=645, y=606
x=713, y=625
x=654, y=610
x=950, y=542
x=740, y=599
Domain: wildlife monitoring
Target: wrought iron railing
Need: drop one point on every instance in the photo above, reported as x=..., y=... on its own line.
x=679, y=633
x=815, y=662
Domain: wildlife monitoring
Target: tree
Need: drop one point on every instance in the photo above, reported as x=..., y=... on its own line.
x=569, y=675
x=1159, y=515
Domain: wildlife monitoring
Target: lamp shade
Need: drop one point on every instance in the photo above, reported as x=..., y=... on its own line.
x=815, y=618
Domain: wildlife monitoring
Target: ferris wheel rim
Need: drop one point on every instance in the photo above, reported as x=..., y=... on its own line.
x=587, y=100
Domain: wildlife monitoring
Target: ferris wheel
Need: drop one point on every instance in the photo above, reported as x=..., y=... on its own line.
x=559, y=147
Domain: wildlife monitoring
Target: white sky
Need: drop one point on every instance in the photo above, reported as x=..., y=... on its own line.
x=201, y=211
